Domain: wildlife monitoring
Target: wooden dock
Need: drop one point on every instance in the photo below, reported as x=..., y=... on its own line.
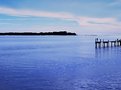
x=106, y=43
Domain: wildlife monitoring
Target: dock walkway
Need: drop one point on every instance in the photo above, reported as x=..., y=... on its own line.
x=107, y=43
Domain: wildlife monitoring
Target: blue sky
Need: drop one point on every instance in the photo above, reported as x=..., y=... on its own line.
x=81, y=16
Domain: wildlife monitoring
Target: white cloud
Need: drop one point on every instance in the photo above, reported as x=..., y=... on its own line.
x=106, y=23
x=25, y=13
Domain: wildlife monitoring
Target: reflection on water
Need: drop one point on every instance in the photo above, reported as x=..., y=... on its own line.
x=107, y=53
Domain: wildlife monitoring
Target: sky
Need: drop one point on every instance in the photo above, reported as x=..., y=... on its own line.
x=80, y=16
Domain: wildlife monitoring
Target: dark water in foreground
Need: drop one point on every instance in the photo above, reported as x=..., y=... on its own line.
x=58, y=63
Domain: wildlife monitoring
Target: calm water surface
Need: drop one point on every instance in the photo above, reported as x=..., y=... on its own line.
x=58, y=63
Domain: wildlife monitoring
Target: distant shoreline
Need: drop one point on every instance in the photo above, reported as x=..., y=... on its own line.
x=60, y=33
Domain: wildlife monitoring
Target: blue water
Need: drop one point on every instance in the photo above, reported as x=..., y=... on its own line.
x=58, y=63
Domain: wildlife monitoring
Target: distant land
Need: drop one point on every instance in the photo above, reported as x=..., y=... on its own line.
x=40, y=33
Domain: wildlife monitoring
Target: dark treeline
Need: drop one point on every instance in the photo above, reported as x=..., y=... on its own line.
x=40, y=33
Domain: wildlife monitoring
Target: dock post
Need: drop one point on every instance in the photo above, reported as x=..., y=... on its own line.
x=96, y=39
x=100, y=43
x=117, y=42
x=108, y=43
x=103, y=44
x=111, y=44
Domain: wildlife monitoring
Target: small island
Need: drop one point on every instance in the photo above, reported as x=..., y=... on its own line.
x=40, y=33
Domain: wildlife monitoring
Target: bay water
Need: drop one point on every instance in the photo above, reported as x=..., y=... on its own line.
x=58, y=63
